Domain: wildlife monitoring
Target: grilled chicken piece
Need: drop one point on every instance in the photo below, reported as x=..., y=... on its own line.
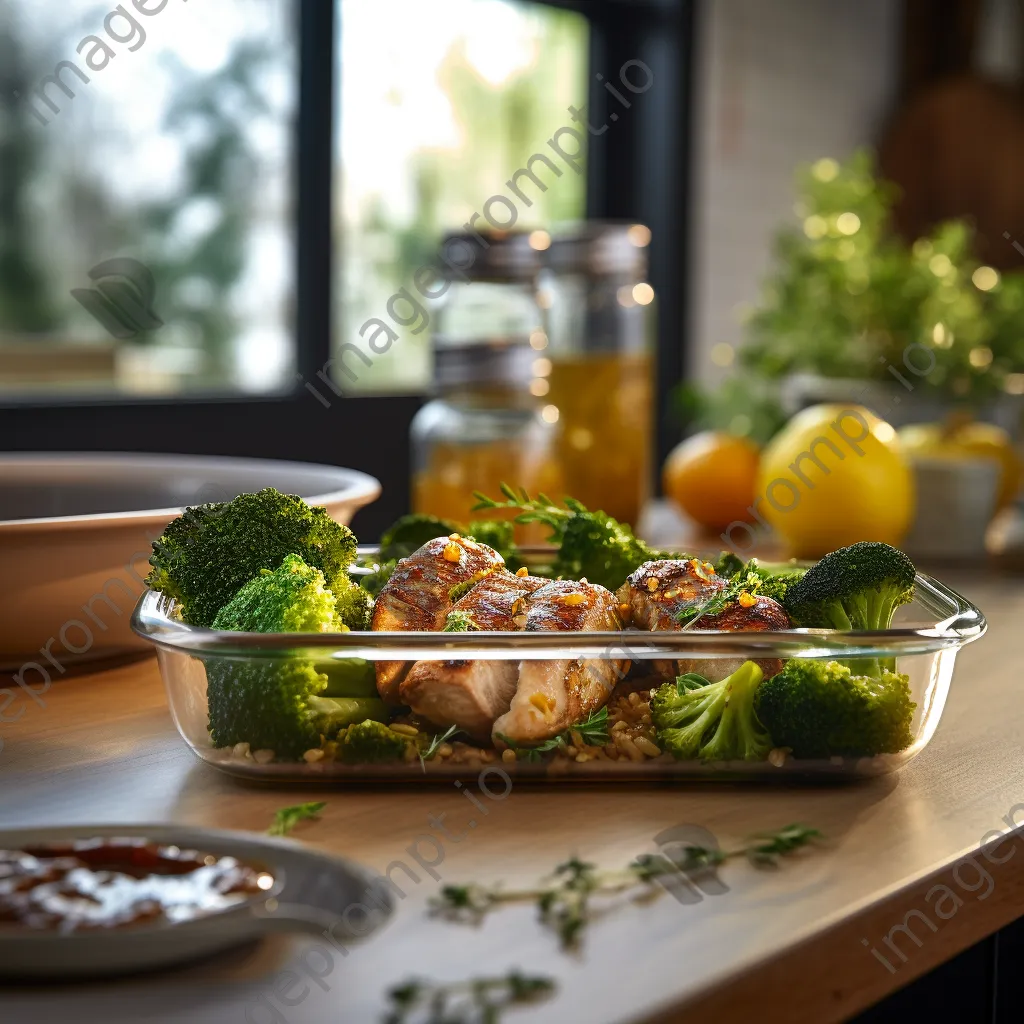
x=658, y=591
x=418, y=595
x=554, y=695
x=472, y=694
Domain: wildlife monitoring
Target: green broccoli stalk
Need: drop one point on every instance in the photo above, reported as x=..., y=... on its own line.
x=855, y=588
x=711, y=721
x=293, y=598
x=349, y=677
x=591, y=545
x=368, y=742
x=822, y=709
x=205, y=556
x=278, y=705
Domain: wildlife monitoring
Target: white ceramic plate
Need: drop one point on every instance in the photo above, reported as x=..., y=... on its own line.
x=75, y=536
x=312, y=893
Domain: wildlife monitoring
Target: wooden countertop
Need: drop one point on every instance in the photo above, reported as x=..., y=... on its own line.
x=783, y=945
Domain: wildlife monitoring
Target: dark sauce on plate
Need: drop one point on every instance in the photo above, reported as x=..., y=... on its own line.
x=118, y=883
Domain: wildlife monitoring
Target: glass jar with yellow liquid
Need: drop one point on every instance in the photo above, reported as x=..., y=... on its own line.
x=488, y=423
x=600, y=332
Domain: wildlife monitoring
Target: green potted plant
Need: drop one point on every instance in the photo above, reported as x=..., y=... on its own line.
x=853, y=312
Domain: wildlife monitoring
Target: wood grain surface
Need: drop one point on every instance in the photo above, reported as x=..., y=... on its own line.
x=778, y=945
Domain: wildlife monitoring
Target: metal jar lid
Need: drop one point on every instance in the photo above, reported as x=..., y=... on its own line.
x=488, y=362
x=602, y=249
x=493, y=255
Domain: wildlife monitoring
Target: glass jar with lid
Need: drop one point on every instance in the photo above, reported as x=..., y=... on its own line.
x=601, y=326
x=489, y=421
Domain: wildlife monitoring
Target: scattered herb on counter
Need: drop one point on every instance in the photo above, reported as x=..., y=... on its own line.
x=563, y=900
x=288, y=817
x=593, y=731
x=477, y=1001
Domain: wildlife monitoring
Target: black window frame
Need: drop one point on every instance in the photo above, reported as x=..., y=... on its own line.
x=639, y=172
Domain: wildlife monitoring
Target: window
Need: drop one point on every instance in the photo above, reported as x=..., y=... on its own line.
x=439, y=104
x=145, y=196
x=278, y=166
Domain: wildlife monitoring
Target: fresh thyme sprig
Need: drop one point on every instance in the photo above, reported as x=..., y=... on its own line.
x=564, y=900
x=288, y=817
x=748, y=582
x=459, y=622
x=435, y=743
x=593, y=731
x=531, y=510
x=477, y=1001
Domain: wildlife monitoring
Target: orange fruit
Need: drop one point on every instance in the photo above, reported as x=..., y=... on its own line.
x=711, y=476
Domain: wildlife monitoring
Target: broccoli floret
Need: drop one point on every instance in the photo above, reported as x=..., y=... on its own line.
x=278, y=705
x=264, y=703
x=776, y=585
x=821, y=709
x=373, y=582
x=209, y=552
x=858, y=587
x=285, y=705
x=370, y=741
x=599, y=548
x=292, y=598
x=728, y=564
x=411, y=532
x=590, y=544
x=498, y=534
x=354, y=604
x=712, y=721
x=767, y=580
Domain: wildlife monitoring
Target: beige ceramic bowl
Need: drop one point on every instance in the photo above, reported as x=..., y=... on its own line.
x=75, y=535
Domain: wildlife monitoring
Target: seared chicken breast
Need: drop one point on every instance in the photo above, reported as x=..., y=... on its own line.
x=472, y=694
x=421, y=592
x=554, y=695
x=657, y=592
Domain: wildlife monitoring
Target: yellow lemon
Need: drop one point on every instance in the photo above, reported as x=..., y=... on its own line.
x=968, y=439
x=834, y=475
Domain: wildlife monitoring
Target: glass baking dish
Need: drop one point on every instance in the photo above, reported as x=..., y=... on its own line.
x=925, y=637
